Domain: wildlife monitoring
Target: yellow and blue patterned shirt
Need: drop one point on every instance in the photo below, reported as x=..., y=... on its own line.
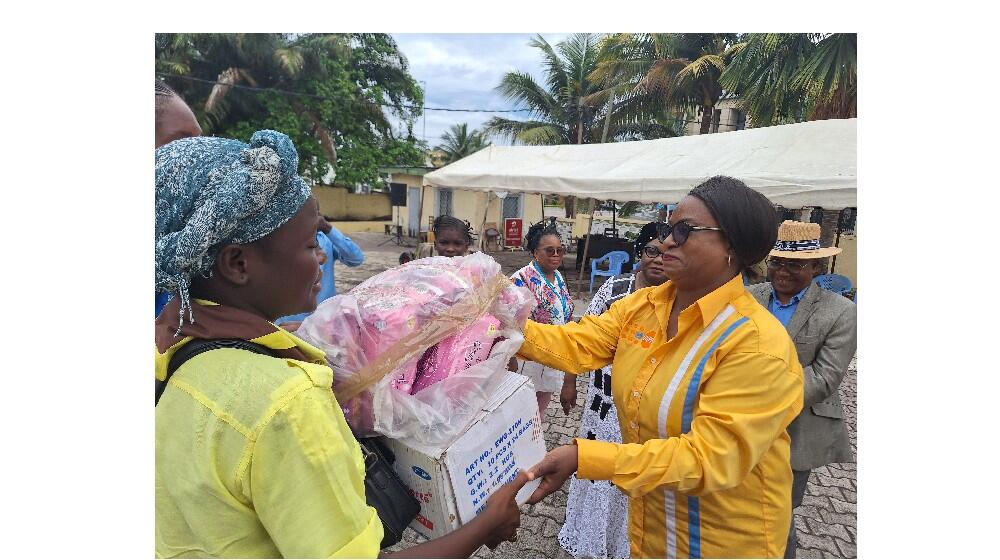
x=705, y=454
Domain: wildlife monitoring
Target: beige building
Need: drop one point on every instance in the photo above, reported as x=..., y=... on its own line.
x=423, y=204
x=726, y=117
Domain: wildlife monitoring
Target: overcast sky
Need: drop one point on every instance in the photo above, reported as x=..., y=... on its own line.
x=462, y=70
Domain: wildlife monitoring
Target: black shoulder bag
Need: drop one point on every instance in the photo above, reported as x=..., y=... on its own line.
x=384, y=490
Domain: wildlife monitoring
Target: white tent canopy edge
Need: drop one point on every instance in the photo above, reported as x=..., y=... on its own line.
x=796, y=165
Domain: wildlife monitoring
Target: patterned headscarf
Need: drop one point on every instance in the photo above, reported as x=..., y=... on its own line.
x=212, y=192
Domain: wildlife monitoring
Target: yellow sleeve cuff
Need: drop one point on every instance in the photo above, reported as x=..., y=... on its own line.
x=595, y=459
x=528, y=348
x=366, y=544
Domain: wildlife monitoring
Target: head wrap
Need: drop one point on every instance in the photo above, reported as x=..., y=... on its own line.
x=649, y=232
x=212, y=192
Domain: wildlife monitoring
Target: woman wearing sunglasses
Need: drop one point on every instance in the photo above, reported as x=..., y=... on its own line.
x=596, y=523
x=555, y=306
x=705, y=382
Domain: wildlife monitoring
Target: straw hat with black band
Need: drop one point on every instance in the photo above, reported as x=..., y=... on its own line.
x=800, y=240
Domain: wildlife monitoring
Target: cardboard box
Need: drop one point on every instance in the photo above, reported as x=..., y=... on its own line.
x=453, y=484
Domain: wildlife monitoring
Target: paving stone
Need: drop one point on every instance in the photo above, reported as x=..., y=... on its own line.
x=839, y=473
x=820, y=502
x=819, y=470
x=832, y=481
x=854, y=533
x=841, y=506
x=851, y=496
x=845, y=519
x=848, y=550
x=824, y=543
x=808, y=553
x=830, y=491
x=828, y=555
x=551, y=529
x=808, y=511
x=832, y=529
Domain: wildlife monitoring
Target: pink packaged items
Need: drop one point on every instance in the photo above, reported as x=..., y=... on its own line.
x=417, y=349
x=457, y=352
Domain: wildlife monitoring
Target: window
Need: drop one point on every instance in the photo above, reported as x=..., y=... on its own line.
x=444, y=206
x=737, y=119
x=512, y=206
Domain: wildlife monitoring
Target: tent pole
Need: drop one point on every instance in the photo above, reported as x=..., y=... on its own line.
x=586, y=250
x=420, y=216
x=482, y=230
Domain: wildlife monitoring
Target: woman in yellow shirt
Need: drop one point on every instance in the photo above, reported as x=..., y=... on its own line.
x=706, y=381
x=253, y=456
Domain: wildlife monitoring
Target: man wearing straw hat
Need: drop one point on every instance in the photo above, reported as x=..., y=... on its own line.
x=823, y=326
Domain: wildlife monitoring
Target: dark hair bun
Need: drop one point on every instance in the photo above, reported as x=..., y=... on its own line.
x=537, y=231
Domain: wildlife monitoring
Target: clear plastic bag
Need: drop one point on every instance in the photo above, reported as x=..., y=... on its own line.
x=380, y=329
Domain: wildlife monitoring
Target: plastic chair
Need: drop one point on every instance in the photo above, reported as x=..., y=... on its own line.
x=834, y=282
x=491, y=235
x=615, y=260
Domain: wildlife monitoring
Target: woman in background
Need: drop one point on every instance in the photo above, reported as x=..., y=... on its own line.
x=555, y=306
x=596, y=512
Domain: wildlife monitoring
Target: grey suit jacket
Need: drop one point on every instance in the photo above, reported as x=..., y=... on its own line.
x=824, y=330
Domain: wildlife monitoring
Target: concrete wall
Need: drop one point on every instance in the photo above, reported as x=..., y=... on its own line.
x=466, y=205
x=360, y=226
x=338, y=204
x=846, y=263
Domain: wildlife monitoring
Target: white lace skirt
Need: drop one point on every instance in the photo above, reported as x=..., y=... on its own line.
x=596, y=511
x=545, y=379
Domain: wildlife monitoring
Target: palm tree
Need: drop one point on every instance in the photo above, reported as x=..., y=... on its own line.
x=667, y=72
x=563, y=110
x=458, y=142
x=558, y=114
x=782, y=77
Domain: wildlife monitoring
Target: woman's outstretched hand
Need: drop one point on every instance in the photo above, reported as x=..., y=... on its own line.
x=554, y=469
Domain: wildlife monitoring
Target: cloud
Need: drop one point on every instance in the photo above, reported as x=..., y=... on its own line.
x=462, y=70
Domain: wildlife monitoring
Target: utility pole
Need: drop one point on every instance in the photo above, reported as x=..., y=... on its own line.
x=424, y=110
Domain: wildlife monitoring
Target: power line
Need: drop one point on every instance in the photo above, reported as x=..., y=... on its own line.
x=301, y=94
x=448, y=109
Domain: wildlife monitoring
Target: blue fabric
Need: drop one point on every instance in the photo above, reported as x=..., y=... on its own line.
x=784, y=312
x=211, y=192
x=337, y=246
x=694, y=527
x=161, y=301
x=694, y=509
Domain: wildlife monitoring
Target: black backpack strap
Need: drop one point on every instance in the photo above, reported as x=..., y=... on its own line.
x=199, y=346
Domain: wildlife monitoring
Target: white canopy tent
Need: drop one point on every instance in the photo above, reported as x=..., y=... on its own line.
x=795, y=165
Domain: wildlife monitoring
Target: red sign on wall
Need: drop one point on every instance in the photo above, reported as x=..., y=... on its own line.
x=512, y=233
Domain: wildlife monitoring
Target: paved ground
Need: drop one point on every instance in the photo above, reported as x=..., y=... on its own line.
x=826, y=521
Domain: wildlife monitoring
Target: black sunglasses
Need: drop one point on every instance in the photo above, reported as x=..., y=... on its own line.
x=551, y=251
x=796, y=265
x=680, y=230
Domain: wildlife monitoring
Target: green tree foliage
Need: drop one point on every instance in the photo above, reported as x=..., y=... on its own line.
x=459, y=142
x=788, y=77
x=665, y=74
x=354, y=86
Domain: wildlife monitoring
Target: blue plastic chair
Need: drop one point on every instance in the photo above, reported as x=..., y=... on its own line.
x=615, y=260
x=834, y=282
